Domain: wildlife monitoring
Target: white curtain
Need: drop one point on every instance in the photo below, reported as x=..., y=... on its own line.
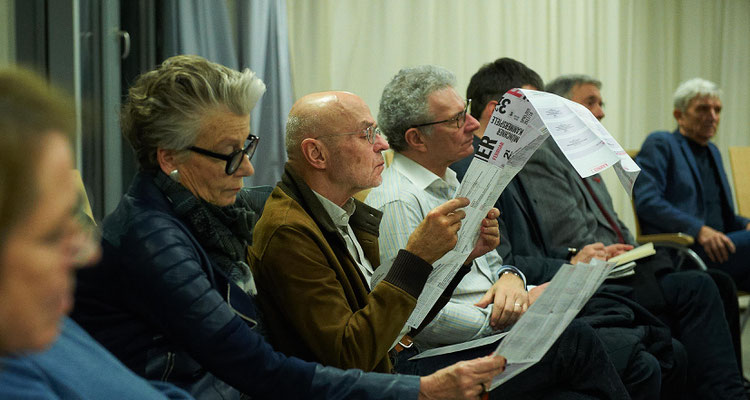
x=640, y=50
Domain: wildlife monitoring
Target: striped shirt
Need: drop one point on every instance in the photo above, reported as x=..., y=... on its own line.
x=408, y=192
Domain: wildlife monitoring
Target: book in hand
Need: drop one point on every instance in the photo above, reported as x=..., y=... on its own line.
x=632, y=255
x=626, y=261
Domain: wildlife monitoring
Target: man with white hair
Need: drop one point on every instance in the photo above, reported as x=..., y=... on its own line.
x=683, y=186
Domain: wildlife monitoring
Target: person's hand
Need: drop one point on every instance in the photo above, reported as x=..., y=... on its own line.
x=747, y=228
x=594, y=250
x=462, y=380
x=614, y=250
x=536, y=291
x=489, y=236
x=438, y=232
x=509, y=301
x=716, y=244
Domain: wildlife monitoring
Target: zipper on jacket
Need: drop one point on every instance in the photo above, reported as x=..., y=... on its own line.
x=243, y=316
x=169, y=367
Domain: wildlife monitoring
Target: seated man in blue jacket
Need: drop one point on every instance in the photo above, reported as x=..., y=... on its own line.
x=683, y=187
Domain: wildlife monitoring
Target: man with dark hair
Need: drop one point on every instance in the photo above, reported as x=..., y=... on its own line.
x=639, y=368
x=502, y=73
x=570, y=212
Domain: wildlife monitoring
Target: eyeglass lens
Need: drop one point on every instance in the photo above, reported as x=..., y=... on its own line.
x=462, y=117
x=236, y=158
x=371, y=132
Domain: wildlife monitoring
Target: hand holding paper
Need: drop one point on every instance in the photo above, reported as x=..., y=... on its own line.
x=489, y=236
x=437, y=233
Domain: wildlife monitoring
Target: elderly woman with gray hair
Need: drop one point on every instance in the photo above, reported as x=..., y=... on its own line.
x=172, y=297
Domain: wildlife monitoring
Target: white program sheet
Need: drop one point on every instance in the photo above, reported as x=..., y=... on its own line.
x=582, y=138
x=547, y=318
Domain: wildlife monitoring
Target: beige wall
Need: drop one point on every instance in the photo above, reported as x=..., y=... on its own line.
x=640, y=50
x=7, y=34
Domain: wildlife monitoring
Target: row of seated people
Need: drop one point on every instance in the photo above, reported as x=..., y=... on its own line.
x=551, y=215
x=173, y=294
x=170, y=295
x=186, y=298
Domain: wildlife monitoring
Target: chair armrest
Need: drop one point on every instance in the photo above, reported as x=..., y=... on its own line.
x=676, y=238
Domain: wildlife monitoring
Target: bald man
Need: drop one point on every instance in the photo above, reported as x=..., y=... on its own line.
x=315, y=247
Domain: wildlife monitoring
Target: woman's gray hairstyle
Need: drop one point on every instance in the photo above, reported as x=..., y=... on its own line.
x=693, y=88
x=166, y=106
x=404, y=101
x=564, y=84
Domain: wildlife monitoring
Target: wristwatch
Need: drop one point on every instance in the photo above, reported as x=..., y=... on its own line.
x=572, y=251
x=510, y=271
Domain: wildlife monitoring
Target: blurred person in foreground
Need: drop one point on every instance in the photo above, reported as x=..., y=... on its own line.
x=43, y=239
x=173, y=294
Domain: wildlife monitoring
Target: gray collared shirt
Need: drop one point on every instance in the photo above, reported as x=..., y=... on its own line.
x=340, y=217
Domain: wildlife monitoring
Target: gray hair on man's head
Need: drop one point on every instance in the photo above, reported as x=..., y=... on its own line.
x=404, y=101
x=165, y=107
x=692, y=88
x=297, y=127
x=563, y=85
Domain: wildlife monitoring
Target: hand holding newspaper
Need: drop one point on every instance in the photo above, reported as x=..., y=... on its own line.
x=538, y=329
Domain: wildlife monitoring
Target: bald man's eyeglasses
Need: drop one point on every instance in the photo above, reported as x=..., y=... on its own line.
x=460, y=119
x=233, y=159
x=370, y=133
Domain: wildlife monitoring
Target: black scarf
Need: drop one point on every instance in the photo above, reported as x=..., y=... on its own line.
x=224, y=232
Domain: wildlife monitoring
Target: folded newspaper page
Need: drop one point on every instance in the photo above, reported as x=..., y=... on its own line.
x=546, y=319
x=582, y=138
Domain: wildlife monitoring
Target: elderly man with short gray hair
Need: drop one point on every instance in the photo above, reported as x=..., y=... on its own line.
x=683, y=186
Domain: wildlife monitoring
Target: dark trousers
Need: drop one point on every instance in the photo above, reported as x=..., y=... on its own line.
x=728, y=293
x=695, y=313
x=575, y=367
x=738, y=265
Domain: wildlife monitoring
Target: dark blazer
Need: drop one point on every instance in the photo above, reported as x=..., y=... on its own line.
x=623, y=326
x=669, y=194
x=566, y=213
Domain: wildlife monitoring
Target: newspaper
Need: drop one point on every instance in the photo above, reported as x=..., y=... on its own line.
x=520, y=123
x=515, y=131
x=453, y=348
x=547, y=318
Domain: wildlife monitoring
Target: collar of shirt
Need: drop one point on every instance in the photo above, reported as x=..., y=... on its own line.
x=339, y=215
x=424, y=178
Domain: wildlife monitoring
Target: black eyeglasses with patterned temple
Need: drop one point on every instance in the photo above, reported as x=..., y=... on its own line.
x=370, y=133
x=234, y=159
x=460, y=118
